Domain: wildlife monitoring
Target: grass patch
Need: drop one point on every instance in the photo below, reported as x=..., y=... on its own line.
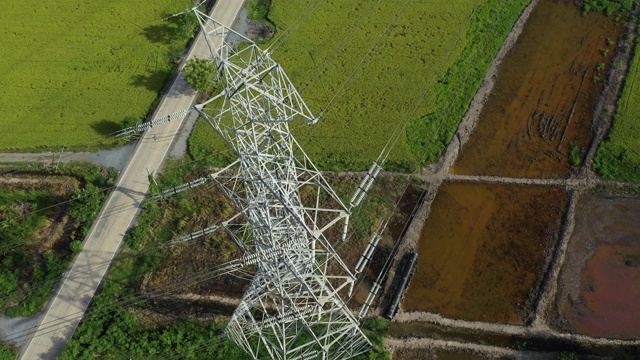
x=321, y=54
x=258, y=9
x=7, y=352
x=119, y=334
x=39, y=240
x=575, y=154
x=71, y=71
x=608, y=7
x=618, y=156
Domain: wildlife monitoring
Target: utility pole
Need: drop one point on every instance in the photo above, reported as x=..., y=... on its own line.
x=291, y=219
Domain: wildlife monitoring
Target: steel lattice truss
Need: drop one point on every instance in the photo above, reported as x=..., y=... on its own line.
x=290, y=219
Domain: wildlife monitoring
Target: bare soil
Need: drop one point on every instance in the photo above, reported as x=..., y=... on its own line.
x=56, y=185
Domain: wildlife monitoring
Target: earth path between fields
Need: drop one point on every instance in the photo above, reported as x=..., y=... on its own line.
x=115, y=158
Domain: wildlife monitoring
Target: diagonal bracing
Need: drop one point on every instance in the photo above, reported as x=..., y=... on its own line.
x=292, y=219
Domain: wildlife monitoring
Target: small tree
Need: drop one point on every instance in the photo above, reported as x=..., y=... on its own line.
x=199, y=73
x=187, y=24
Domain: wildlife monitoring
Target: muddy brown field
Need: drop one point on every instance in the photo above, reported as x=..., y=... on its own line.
x=600, y=285
x=543, y=99
x=482, y=250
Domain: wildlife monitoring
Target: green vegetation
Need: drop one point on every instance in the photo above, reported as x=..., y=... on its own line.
x=258, y=9
x=200, y=74
x=575, y=154
x=491, y=23
x=618, y=157
x=120, y=324
x=608, y=7
x=375, y=329
x=116, y=325
x=7, y=352
x=38, y=239
x=375, y=94
x=131, y=121
x=71, y=71
x=111, y=330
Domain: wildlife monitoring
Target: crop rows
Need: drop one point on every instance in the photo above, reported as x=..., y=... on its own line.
x=363, y=101
x=71, y=70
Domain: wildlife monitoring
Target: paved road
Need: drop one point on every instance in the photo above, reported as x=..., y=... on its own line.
x=66, y=308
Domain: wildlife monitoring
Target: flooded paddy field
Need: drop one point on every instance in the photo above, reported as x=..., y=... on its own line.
x=599, y=285
x=484, y=249
x=538, y=116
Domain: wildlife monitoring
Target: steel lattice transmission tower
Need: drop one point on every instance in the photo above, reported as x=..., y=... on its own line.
x=291, y=218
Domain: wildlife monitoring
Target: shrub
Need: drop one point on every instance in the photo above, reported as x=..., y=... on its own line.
x=376, y=324
x=200, y=74
x=7, y=353
x=85, y=205
x=8, y=281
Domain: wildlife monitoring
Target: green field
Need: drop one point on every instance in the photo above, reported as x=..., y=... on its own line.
x=441, y=49
x=618, y=157
x=71, y=70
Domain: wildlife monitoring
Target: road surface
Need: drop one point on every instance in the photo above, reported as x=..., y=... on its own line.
x=66, y=308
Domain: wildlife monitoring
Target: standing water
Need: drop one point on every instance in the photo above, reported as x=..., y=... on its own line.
x=483, y=248
x=537, y=120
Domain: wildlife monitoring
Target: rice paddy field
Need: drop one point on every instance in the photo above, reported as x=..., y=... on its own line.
x=618, y=157
x=369, y=66
x=72, y=70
